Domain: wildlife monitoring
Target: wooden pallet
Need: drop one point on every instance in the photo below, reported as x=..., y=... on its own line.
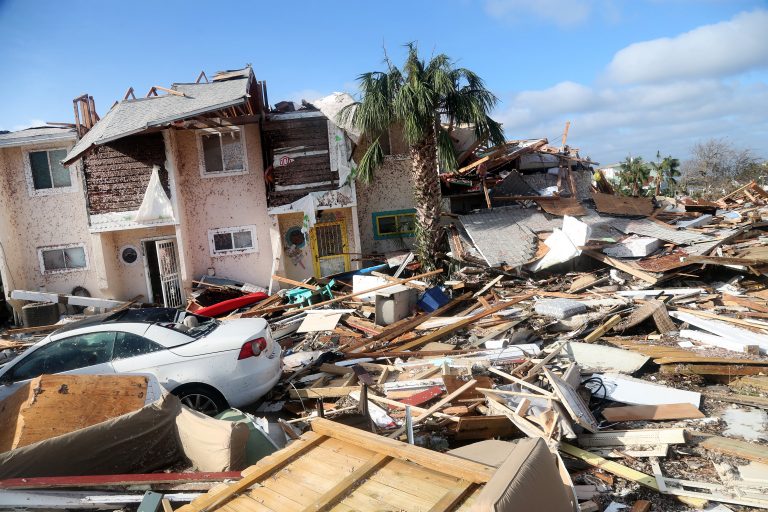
x=335, y=467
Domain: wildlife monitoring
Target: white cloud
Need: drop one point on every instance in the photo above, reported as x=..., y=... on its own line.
x=610, y=122
x=721, y=49
x=24, y=126
x=560, y=12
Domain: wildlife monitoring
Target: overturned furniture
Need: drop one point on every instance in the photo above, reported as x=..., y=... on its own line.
x=335, y=467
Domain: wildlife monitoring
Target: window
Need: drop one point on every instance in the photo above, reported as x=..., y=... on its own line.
x=67, y=258
x=236, y=240
x=46, y=174
x=65, y=355
x=394, y=224
x=222, y=153
x=128, y=345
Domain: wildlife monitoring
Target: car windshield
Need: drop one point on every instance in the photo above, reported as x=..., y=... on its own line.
x=190, y=324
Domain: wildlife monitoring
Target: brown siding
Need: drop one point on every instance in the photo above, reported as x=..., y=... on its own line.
x=291, y=136
x=117, y=174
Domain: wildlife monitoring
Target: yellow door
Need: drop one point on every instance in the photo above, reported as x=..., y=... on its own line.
x=330, y=254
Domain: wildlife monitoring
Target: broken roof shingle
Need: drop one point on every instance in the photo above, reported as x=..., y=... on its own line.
x=499, y=238
x=647, y=227
x=133, y=116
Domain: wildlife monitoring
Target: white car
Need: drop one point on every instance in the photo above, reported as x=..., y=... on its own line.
x=209, y=364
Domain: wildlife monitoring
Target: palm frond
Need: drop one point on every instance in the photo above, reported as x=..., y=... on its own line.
x=372, y=158
x=446, y=155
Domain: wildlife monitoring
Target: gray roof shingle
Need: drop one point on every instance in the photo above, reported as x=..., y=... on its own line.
x=36, y=135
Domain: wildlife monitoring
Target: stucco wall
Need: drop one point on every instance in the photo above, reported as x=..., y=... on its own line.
x=31, y=222
x=391, y=189
x=221, y=202
x=127, y=281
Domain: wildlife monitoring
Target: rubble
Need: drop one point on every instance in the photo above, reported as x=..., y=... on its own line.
x=620, y=345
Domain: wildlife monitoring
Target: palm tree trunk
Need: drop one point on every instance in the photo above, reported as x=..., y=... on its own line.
x=427, y=196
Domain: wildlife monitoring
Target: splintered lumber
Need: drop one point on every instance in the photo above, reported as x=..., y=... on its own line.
x=449, y=329
x=151, y=479
x=736, y=448
x=622, y=471
x=416, y=409
x=652, y=412
x=452, y=396
x=53, y=405
x=406, y=325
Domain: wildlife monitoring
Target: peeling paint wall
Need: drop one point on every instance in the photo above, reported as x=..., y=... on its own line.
x=221, y=202
x=391, y=189
x=27, y=223
x=296, y=257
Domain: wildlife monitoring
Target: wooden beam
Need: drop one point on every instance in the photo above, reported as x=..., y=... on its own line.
x=600, y=331
x=329, y=498
x=170, y=91
x=449, y=329
x=252, y=475
x=292, y=282
x=430, y=459
x=414, y=408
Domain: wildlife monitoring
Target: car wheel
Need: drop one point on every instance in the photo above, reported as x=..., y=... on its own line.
x=202, y=399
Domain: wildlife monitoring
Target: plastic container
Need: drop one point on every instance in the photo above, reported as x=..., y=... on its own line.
x=432, y=299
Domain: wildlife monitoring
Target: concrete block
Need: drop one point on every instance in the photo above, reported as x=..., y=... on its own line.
x=633, y=247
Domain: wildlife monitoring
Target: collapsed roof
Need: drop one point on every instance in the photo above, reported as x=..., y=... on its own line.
x=185, y=100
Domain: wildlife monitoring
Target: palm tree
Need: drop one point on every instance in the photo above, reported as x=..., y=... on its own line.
x=634, y=174
x=657, y=169
x=421, y=98
x=671, y=170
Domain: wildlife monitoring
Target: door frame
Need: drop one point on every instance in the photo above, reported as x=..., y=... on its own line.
x=344, y=245
x=145, y=260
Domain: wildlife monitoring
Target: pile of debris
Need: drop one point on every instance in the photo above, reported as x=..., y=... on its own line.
x=622, y=349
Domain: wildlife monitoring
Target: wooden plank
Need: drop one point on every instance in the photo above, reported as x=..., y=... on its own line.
x=613, y=262
x=483, y=427
x=440, y=462
x=600, y=331
x=572, y=402
x=252, y=475
x=453, y=497
x=452, y=396
x=512, y=378
x=414, y=408
x=329, y=392
x=292, y=282
x=53, y=482
x=335, y=494
x=742, y=449
x=652, y=412
x=449, y=329
x=496, y=407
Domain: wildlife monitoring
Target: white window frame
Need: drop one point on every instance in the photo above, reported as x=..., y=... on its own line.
x=201, y=152
x=45, y=271
x=234, y=229
x=34, y=192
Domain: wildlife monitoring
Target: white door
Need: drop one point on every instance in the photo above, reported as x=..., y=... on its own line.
x=170, y=276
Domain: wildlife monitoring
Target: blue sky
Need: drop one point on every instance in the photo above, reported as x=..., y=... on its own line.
x=631, y=76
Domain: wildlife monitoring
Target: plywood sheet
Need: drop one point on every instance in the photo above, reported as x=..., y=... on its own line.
x=52, y=405
x=623, y=205
x=562, y=207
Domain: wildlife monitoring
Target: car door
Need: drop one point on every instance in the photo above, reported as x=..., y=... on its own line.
x=88, y=353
